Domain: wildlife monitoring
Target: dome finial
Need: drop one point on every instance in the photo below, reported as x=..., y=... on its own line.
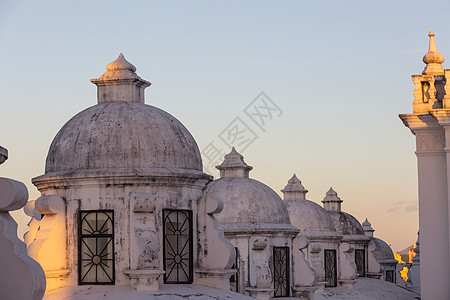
x=433, y=58
x=234, y=165
x=3, y=155
x=294, y=190
x=120, y=83
x=368, y=230
x=332, y=202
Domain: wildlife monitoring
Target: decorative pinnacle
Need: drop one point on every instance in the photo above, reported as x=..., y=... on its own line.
x=433, y=58
x=120, y=69
x=294, y=189
x=234, y=165
x=332, y=202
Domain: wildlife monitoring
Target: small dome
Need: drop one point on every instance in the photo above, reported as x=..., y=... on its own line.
x=305, y=215
x=123, y=135
x=345, y=223
x=247, y=201
x=382, y=251
x=309, y=216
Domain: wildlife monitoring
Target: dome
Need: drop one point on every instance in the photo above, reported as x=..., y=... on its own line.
x=309, y=216
x=123, y=135
x=382, y=251
x=121, y=131
x=248, y=203
x=345, y=223
x=305, y=214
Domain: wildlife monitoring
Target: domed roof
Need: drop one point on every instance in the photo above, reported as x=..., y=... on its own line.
x=123, y=135
x=382, y=251
x=305, y=214
x=345, y=223
x=247, y=202
x=121, y=132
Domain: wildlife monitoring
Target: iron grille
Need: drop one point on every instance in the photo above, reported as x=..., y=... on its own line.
x=390, y=276
x=330, y=268
x=234, y=279
x=96, y=247
x=360, y=260
x=281, y=271
x=177, y=231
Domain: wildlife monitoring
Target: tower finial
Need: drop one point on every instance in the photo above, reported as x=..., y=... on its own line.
x=433, y=58
x=120, y=83
x=332, y=202
x=234, y=165
x=294, y=190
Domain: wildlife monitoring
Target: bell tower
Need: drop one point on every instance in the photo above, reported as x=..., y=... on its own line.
x=430, y=123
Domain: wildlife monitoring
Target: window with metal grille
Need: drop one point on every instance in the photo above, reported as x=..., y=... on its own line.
x=234, y=279
x=177, y=246
x=281, y=271
x=96, y=247
x=330, y=268
x=360, y=261
x=390, y=276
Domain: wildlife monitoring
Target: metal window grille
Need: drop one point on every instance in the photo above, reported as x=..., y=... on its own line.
x=281, y=271
x=234, y=279
x=96, y=247
x=177, y=246
x=330, y=268
x=360, y=261
x=390, y=276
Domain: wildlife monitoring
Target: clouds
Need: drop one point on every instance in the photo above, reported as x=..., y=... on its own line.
x=403, y=206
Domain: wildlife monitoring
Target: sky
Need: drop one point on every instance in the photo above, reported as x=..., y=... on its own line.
x=333, y=76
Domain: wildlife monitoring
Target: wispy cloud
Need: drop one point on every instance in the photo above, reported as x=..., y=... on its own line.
x=403, y=206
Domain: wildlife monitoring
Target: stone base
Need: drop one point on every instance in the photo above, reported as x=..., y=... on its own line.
x=218, y=279
x=260, y=294
x=144, y=280
x=304, y=292
x=347, y=283
x=321, y=286
x=56, y=279
x=374, y=275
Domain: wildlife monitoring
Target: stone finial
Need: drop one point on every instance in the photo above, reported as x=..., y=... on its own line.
x=120, y=83
x=368, y=230
x=294, y=190
x=234, y=166
x=3, y=155
x=433, y=59
x=332, y=202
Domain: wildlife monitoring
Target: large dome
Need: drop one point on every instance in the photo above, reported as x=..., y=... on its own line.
x=123, y=135
x=247, y=201
x=121, y=131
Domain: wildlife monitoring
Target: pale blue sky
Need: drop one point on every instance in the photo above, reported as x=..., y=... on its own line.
x=339, y=70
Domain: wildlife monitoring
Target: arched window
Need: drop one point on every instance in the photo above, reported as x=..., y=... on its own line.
x=177, y=246
x=96, y=247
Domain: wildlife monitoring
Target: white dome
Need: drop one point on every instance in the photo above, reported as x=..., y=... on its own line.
x=247, y=201
x=123, y=135
x=309, y=216
x=346, y=224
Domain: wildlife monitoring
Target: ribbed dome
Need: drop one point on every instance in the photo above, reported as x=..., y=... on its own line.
x=345, y=223
x=309, y=216
x=247, y=201
x=121, y=135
